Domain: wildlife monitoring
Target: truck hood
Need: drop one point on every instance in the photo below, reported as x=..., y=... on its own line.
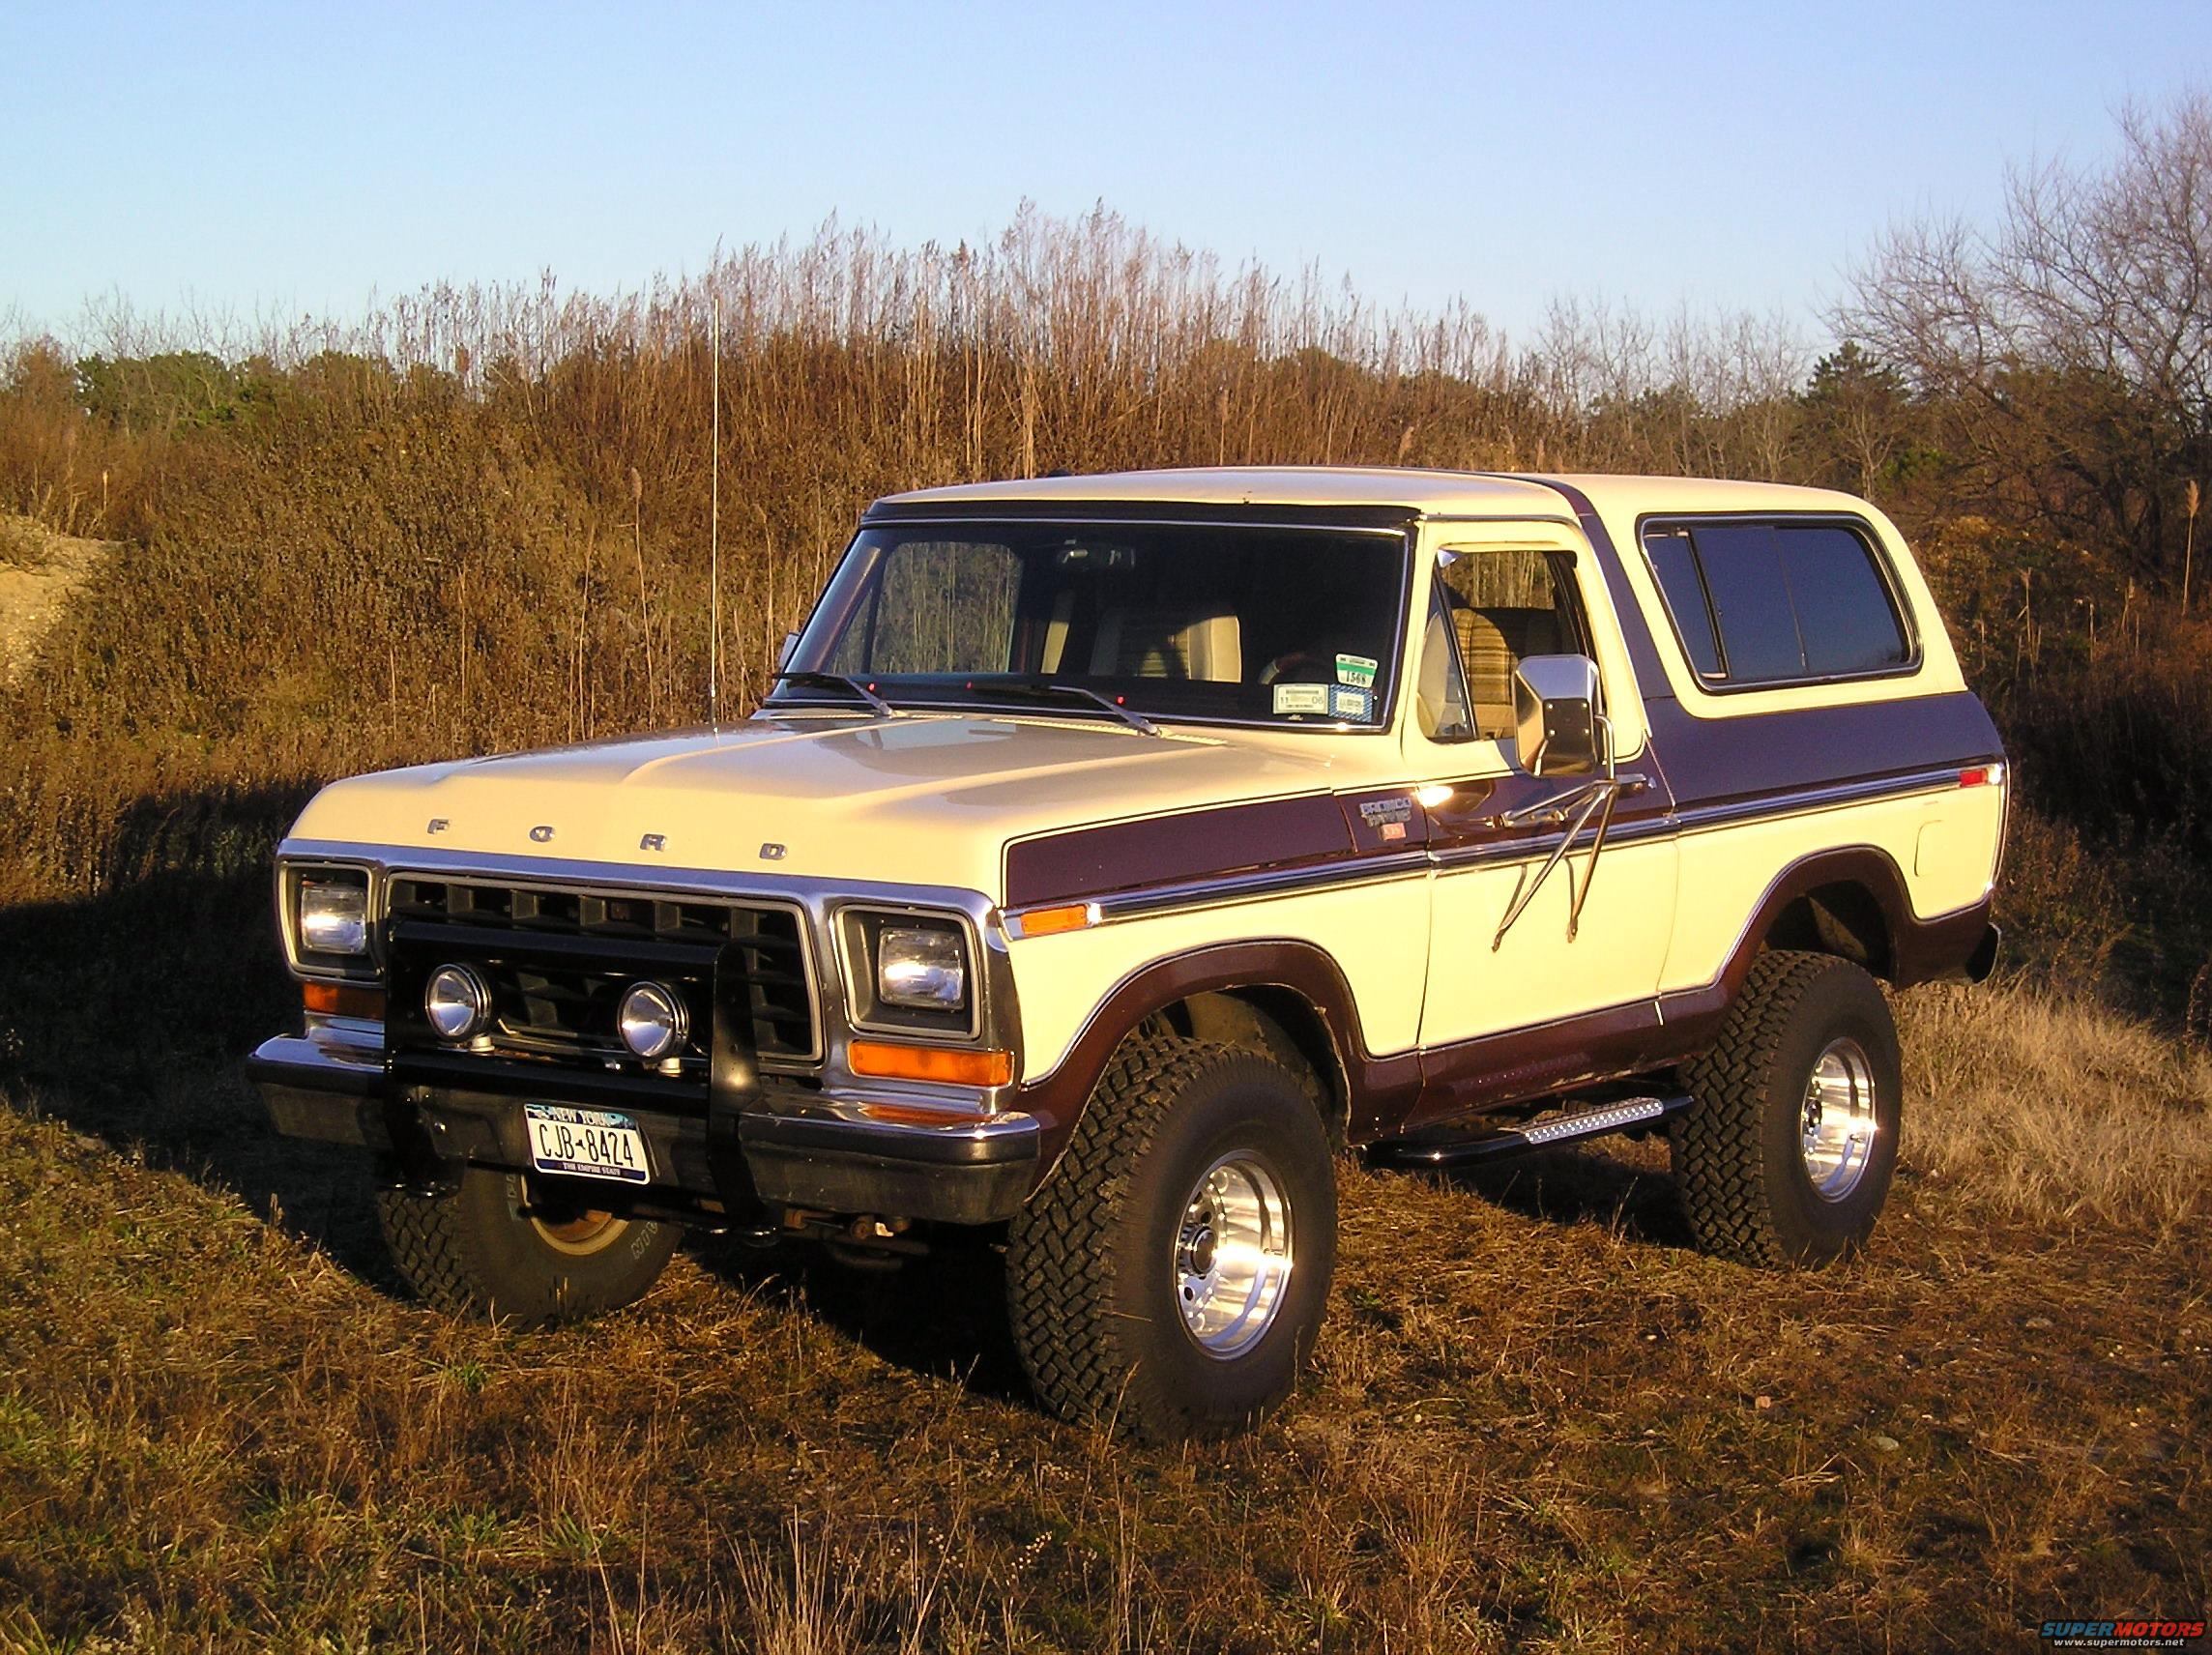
x=917, y=800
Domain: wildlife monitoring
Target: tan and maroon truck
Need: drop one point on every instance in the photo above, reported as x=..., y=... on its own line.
x=1113, y=850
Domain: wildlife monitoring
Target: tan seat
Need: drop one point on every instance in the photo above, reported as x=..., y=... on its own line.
x=1492, y=642
x=1169, y=643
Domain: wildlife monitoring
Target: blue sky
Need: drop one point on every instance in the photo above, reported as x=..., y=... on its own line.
x=267, y=161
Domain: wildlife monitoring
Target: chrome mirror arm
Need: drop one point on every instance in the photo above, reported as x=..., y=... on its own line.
x=1581, y=894
x=1596, y=795
x=1601, y=795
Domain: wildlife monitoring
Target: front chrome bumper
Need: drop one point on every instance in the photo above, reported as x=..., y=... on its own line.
x=778, y=1146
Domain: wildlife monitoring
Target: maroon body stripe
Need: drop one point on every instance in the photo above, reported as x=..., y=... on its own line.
x=1719, y=760
x=1169, y=850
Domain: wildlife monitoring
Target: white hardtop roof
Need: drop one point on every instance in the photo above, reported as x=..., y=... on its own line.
x=1427, y=493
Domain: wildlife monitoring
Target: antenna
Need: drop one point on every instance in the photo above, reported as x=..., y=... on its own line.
x=715, y=539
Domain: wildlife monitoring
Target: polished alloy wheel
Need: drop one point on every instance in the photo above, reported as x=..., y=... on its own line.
x=1839, y=1126
x=1233, y=1256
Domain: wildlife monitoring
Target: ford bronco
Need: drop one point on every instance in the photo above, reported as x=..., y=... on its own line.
x=1111, y=849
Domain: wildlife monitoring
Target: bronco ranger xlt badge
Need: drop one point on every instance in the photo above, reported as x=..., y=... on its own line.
x=1161, y=832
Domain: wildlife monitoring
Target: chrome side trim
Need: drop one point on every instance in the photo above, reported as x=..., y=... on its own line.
x=1535, y=847
x=1826, y=798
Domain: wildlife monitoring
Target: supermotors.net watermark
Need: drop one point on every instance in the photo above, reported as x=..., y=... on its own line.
x=2122, y=1633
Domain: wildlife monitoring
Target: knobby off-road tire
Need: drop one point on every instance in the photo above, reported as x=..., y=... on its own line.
x=1185, y=1144
x=1808, y=1052
x=487, y=1249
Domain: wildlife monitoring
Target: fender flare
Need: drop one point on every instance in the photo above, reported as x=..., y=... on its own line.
x=1305, y=968
x=1920, y=950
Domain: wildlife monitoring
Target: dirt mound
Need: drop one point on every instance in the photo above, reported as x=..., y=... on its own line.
x=39, y=571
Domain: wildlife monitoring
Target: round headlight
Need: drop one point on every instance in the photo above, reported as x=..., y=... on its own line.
x=653, y=1021
x=457, y=1001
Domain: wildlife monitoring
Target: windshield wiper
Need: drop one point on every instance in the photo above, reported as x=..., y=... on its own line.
x=1049, y=690
x=839, y=681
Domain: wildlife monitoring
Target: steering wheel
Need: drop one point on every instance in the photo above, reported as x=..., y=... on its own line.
x=1282, y=664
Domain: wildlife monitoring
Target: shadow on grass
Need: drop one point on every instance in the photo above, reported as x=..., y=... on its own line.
x=1621, y=1184
x=127, y=1015
x=943, y=1316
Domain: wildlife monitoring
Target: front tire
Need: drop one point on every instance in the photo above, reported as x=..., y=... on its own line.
x=1172, y=1273
x=504, y=1247
x=1785, y=1153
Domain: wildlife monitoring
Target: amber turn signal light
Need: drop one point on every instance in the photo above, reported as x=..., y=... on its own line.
x=1068, y=917
x=342, y=1000
x=881, y=1060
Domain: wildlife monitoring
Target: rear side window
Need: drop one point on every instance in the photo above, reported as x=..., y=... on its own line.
x=1844, y=612
x=1777, y=602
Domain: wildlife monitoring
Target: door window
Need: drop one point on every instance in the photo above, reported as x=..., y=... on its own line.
x=1492, y=610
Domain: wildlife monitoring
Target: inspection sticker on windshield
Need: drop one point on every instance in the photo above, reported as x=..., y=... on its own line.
x=1302, y=698
x=1355, y=670
x=1355, y=705
x=586, y=1143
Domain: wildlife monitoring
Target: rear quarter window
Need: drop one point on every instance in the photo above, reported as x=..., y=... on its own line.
x=1766, y=602
x=1846, y=616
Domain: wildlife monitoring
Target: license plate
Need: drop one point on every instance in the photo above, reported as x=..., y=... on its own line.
x=586, y=1143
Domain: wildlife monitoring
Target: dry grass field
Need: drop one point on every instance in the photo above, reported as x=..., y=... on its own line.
x=1539, y=1420
x=478, y=520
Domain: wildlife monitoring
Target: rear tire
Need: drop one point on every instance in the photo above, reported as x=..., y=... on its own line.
x=1172, y=1273
x=502, y=1246
x=1785, y=1152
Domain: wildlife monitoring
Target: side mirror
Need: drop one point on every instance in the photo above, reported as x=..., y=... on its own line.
x=786, y=650
x=1558, y=725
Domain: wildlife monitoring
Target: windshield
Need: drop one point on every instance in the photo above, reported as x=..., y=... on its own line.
x=1277, y=625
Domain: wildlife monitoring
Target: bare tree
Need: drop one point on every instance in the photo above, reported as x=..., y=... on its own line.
x=2070, y=346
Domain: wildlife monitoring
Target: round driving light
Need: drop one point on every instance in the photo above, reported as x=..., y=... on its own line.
x=457, y=1001
x=653, y=1021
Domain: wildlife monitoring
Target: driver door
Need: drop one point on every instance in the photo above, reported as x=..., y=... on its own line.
x=1514, y=1010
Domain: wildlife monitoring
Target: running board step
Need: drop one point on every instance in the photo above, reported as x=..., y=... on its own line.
x=1621, y=1117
